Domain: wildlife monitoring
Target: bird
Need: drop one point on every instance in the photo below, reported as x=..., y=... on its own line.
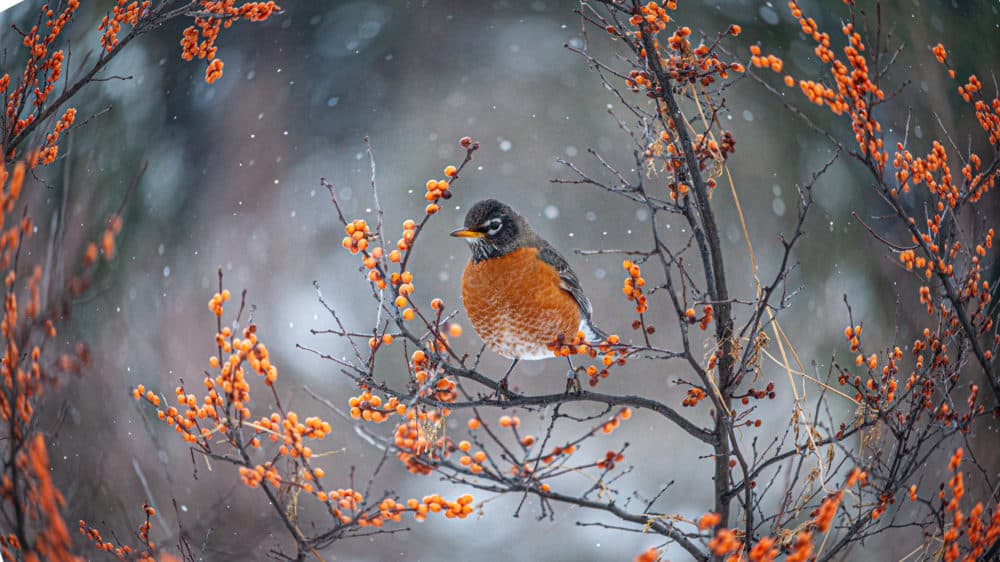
x=519, y=293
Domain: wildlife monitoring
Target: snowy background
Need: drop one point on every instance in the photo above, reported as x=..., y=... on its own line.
x=233, y=181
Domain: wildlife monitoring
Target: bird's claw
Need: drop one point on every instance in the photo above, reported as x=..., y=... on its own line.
x=573, y=382
x=503, y=391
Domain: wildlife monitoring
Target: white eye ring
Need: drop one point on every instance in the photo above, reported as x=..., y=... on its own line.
x=493, y=226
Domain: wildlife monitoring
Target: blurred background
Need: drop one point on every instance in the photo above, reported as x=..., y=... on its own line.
x=234, y=182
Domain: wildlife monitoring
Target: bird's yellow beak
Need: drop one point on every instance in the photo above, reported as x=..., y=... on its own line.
x=466, y=233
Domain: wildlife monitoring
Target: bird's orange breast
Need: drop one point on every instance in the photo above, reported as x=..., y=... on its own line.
x=517, y=305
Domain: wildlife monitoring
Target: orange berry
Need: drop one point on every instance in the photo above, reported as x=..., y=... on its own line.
x=451, y=171
x=474, y=424
x=708, y=521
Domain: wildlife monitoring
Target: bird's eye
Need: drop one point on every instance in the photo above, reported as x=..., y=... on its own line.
x=493, y=226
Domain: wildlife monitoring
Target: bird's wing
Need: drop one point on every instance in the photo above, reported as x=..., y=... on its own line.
x=567, y=277
x=570, y=283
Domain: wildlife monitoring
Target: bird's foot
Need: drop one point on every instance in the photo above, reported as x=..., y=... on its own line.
x=503, y=391
x=573, y=382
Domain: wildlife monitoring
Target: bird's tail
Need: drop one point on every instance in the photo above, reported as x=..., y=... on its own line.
x=592, y=332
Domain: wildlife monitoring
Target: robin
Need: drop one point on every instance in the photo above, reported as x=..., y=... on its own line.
x=519, y=293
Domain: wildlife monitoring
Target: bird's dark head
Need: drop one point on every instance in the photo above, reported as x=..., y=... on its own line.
x=493, y=229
